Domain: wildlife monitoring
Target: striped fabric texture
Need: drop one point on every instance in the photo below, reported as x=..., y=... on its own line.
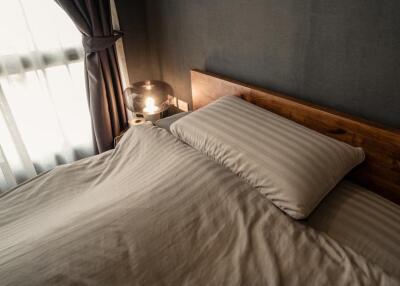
x=154, y=211
x=295, y=167
x=364, y=221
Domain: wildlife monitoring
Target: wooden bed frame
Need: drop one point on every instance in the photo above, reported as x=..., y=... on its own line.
x=380, y=172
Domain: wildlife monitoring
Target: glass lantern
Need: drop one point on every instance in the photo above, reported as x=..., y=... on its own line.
x=149, y=99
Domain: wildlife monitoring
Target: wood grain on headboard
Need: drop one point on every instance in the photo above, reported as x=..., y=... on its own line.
x=380, y=172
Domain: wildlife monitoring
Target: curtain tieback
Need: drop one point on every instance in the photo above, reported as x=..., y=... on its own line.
x=95, y=44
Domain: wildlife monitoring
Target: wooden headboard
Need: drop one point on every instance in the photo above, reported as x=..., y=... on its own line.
x=380, y=172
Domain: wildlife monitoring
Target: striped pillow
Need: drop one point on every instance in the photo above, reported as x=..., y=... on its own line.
x=295, y=167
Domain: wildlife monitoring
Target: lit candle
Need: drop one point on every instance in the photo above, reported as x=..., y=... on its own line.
x=150, y=106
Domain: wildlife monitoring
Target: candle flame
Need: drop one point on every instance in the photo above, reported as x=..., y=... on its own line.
x=150, y=106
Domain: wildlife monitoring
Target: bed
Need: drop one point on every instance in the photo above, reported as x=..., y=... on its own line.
x=156, y=211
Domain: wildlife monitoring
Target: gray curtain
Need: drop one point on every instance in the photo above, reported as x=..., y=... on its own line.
x=104, y=89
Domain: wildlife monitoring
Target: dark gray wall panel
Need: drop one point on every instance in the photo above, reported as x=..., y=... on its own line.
x=343, y=54
x=132, y=18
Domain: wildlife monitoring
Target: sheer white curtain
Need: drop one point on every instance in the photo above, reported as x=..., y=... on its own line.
x=44, y=116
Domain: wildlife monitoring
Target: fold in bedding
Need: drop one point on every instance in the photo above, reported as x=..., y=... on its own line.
x=156, y=212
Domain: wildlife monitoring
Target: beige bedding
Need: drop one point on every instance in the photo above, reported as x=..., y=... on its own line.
x=156, y=212
x=362, y=220
x=293, y=166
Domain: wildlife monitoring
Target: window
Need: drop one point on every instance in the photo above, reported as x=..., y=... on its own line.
x=44, y=116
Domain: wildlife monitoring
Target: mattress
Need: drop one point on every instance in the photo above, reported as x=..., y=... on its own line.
x=156, y=212
x=364, y=221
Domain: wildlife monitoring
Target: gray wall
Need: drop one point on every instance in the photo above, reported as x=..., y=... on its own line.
x=132, y=18
x=343, y=54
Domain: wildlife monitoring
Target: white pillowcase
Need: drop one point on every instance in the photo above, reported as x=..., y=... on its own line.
x=295, y=167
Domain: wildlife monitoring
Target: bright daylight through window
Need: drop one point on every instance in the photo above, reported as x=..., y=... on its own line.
x=44, y=116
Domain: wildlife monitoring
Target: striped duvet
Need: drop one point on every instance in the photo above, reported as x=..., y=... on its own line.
x=156, y=212
x=364, y=221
